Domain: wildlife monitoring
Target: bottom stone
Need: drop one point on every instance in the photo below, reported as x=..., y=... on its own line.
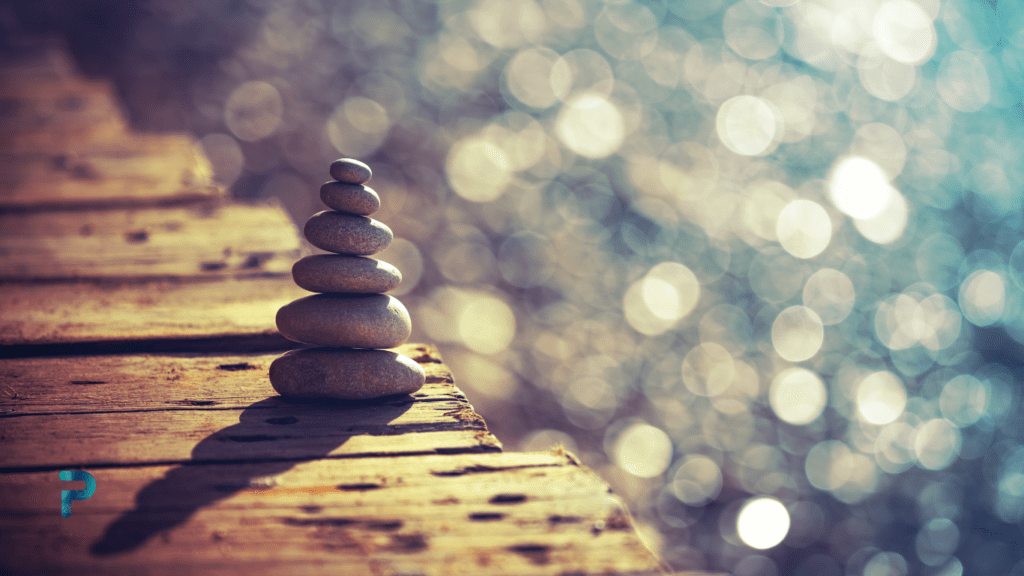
x=344, y=373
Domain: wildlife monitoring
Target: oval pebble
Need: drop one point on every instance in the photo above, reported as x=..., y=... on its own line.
x=345, y=374
x=348, y=321
x=351, y=198
x=347, y=233
x=345, y=274
x=350, y=171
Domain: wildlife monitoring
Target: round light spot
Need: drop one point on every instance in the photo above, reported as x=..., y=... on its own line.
x=797, y=333
x=253, y=111
x=478, y=170
x=936, y=322
x=881, y=397
x=904, y=32
x=670, y=291
x=486, y=324
x=937, y=443
x=830, y=294
x=936, y=541
x=803, y=228
x=889, y=224
x=859, y=188
x=627, y=31
x=762, y=523
x=848, y=475
x=797, y=396
x=748, y=126
x=697, y=480
x=708, y=369
x=358, y=126
x=983, y=297
x=881, y=144
x=964, y=400
x=752, y=30
x=528, y=77
x=579, y=72
x=665, y=295
x=885, y=78
x=886, y=564
x=643, y=450
x=591, y=126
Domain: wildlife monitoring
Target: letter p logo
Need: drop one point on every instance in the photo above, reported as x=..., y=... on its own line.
x=66, y=496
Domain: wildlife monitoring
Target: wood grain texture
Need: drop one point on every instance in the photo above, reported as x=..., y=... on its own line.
x=70, y=313
x=213, y=409
x=529, y=514
x=157, y=382
x=200, y=467
x=198, y=241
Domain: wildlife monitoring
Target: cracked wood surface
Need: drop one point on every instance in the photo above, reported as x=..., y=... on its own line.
x=57, y=413
x=199, y=464
x=199, y=240
x=133, y=316
x=536, y=514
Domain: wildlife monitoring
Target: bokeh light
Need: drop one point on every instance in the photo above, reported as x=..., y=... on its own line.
x=797, y=396
x=762, y=523
x=643, y=450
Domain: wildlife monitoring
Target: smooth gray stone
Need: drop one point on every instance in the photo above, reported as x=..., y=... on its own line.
x=345, y=274
x=351, y=198
x=345, y=374
x=350, y=171
x=348, y=321
x=347, y=233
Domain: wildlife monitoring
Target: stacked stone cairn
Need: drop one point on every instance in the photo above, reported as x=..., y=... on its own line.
x=350, y=320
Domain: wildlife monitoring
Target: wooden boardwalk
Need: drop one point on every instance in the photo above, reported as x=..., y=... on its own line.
x=136, y=330
x=200, y=465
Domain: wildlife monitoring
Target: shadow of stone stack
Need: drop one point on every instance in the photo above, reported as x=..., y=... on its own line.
x=350, y=320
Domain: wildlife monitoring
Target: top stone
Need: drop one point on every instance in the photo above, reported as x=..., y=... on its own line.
x=350, y=171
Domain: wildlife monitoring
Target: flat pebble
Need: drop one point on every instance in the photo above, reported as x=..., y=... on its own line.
x=345, y=374
x=351, y=198
x=350, y=171
x=345, y=274
x=348, y=321
x=347, y=233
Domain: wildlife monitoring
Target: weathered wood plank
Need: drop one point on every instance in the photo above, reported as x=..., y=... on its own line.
x=177, y=381
x=140, y=169
x=199, y=241
x=70, y=313
x=178, y=419
x=467, y=514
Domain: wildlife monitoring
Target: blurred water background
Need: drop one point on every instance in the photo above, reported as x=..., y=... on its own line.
x=758, y=263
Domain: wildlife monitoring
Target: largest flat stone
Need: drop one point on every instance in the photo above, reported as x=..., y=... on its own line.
x=347, y=321
x=345, y=374
x=347, y=233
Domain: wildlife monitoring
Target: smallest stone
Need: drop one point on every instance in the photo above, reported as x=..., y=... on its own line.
x=350, y=171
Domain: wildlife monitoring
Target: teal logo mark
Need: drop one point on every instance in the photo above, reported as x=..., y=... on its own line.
x=66, y=496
